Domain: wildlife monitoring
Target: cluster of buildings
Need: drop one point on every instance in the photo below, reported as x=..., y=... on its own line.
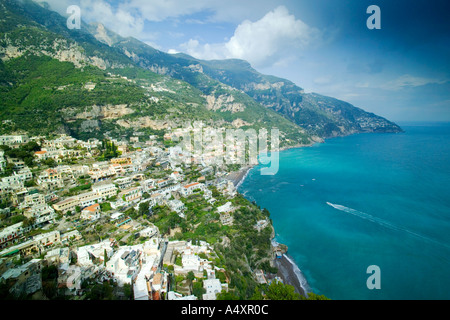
x=140, y=266
x=123, y=183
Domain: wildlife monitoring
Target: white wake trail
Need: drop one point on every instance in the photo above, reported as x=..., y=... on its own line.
x=383, y=223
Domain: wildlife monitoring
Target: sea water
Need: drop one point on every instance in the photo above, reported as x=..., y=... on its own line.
x=363, y=200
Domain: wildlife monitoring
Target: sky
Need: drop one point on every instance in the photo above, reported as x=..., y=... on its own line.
x=401, y=71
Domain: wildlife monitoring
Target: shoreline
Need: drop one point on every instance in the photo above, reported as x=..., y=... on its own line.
x=298, y=146
x=288, y=270
x=238, y=177
x=291, y=274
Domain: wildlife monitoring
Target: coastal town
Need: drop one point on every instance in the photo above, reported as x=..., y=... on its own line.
x=121, y=219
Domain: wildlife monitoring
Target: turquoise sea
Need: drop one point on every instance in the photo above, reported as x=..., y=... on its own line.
x=362, y=200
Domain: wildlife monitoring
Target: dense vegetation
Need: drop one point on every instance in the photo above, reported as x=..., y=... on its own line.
x=24, y=153
x=43, y=95
x=240, y=247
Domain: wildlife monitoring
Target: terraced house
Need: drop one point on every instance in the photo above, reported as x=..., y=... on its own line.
x=131, y=194
x=105, y=189
x=50, y=179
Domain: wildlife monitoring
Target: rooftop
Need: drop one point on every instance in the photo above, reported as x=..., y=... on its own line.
x=92, y=208
x=191, y=185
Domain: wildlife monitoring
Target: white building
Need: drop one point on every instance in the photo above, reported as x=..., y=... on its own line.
x=58, y=255
x=17, y=180
x=187, y=190
x=105, y=190
x=83, y=257
x=227, y=207
x=176, y=205
x=190, y=261
x=149, y=232
x=124, y=183
x=89, y=198
x=13, y=140
x=212, y=287
x=124, y=265
x=34, y=199
x=12, y=233
x=2, y=162
x=172, y=295
x=91, y=213
x=261, y=224
x=148, y=185
x=42, y=213
x=74, y=278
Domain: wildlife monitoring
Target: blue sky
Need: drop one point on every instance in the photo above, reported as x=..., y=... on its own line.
x=401, y=71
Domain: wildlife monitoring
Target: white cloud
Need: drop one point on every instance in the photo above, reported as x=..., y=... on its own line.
x=362, y=85
x=205, y=51
x=268, y=41
x=273, y=40
x=323, y=80
x=116, y=18
x=159, y=10
x=218, y=10
x=408, y=80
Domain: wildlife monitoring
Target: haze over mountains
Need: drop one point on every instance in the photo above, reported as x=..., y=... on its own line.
x=91, y=81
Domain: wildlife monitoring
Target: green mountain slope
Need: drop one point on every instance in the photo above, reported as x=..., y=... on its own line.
x=59, y=80
x=319, y=115
x=325, y=116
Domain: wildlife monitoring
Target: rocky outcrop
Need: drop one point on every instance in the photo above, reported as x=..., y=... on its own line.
x=98, y=112
x=223, y=103
x=238, y=123
x=145, y=122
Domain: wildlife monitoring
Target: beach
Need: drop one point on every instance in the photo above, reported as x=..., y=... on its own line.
x=237, y=177
x=289, y=272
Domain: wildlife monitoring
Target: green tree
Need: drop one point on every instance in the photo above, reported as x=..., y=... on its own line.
x=314, y=296
x=280, y=291
x=101, y=292
x=144, y=208
x=105, y=258
x=198, y=289
x=226, y=296
x=49, y=278
x=128, y=291
x=29, y=222
x=50, y=162
x=257, y=295
x=105, y=206
x=190, y=276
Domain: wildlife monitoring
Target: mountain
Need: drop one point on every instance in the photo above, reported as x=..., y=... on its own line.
x=319, y=115
x=59, y=80
x=92, y=82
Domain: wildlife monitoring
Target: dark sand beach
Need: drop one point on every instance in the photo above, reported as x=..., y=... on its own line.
x=238, y=176
x=286, y=271
x=286, y=268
